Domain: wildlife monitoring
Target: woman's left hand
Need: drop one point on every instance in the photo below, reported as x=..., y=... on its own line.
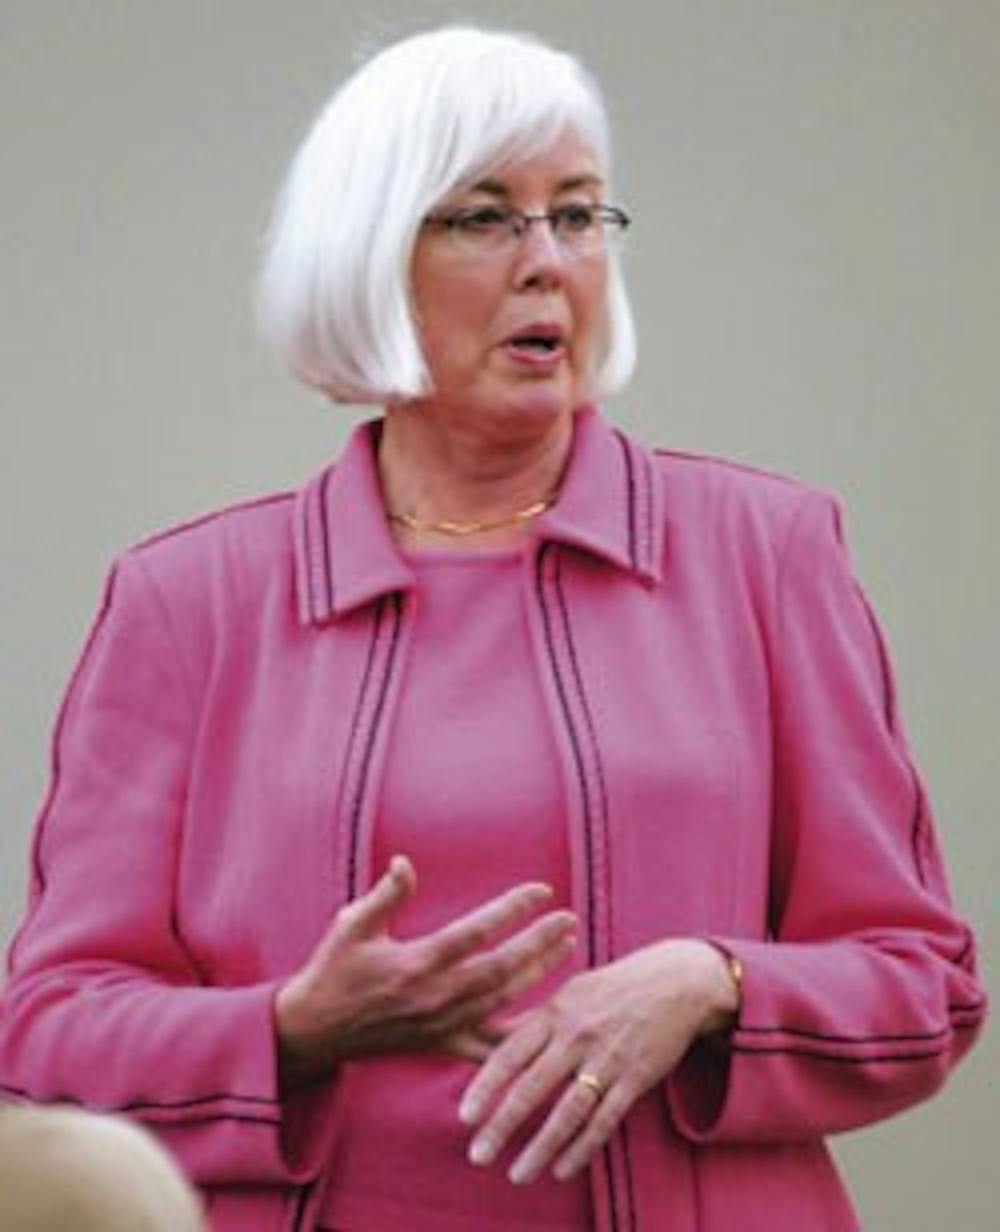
x=604, y=1038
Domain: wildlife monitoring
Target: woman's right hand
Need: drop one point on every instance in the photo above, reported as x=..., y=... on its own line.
x=363, y=992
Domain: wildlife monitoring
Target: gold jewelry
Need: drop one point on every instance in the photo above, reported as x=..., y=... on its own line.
x=735, y=967
x=591, y=1082
x=473, y=528
x=736, y=971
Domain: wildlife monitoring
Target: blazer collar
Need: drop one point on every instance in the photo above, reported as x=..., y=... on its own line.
x=346, y=557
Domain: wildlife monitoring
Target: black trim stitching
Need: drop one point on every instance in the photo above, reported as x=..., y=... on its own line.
x=605, y=825
x=605, y=815
x=201, y=1117
x=324, y=522
x=587, y=827
x=581, y=775
x=218, y=1096
x=644, y=508
x=609, y=1168
x=841, y=1058
x=352, y=871
x=694, y=1162
x=803, y=1033
x=221, y=1097
x=301, y=1203
x=153, y=1106
x=307, y=552
x=359, y=706
x=588, y=718
x=630, y=483
x=968, y=1007
x=964, y=957
x=978, y=1014
x=629, y=1187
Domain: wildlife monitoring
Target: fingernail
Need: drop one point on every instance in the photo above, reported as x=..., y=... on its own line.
x=519, y=1173
x=481, y=1151
x=467, y=1112
x=563, y=1171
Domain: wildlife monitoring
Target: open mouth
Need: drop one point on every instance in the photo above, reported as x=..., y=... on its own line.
x=541, y=340
x=536, y=344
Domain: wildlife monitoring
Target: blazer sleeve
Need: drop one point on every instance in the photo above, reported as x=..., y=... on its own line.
x=103, y=1006
x=864, y=994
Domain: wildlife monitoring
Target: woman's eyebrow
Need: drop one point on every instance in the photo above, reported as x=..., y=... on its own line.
x=494, y=188
x=587, y=180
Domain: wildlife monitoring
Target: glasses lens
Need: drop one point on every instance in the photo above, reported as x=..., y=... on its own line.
x=586, y=228
x=576, y=227
x=483, y=229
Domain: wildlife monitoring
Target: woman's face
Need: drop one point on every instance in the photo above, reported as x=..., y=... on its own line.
x=477, y=310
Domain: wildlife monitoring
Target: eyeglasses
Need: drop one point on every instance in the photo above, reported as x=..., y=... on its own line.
x=580, y=228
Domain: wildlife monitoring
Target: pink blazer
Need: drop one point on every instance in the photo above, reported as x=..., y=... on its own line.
x=734, y=767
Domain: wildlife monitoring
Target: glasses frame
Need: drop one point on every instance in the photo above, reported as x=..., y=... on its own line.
x=518, y=223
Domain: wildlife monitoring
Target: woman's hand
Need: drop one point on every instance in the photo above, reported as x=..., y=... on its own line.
x=364, y=992
x=604, y=1039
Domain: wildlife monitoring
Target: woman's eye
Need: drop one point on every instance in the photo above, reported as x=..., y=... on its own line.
x=578, y=217
x=485, y=218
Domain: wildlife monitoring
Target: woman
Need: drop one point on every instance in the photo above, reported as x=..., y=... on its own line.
x=504, y=644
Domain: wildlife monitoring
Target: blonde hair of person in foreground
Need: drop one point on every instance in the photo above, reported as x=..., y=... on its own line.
x=62, y=1168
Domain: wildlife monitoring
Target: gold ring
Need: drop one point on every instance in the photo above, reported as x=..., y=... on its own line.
x=591, y=1082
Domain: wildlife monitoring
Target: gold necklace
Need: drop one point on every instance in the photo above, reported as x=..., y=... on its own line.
x=473, y=528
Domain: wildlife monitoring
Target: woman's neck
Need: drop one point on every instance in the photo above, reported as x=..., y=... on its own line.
x=436, y=473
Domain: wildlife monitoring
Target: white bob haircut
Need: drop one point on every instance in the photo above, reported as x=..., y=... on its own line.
x=421, y=118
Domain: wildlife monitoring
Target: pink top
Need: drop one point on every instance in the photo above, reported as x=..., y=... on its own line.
x=472, y=781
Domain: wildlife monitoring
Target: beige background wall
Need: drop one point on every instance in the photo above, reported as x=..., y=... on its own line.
x=816, y=272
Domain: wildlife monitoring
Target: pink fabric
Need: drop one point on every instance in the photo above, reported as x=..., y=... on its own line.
x=471, y=782
x=733, y=764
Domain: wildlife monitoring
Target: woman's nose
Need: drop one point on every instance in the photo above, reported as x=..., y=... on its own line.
x=540, y=257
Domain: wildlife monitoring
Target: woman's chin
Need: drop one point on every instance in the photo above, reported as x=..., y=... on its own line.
x=530, y=417
x=508, y=410
x=539, y=403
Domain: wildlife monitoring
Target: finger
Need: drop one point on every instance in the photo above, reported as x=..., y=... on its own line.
x=528, y=1091
x=518, y=1050
x=471, y=1044
x=507, y=1026
x=491, y=988
x=490, y=971
x=369, y=914
x=494, y=1030
x=580, y=1111
x=477, y=928
x=522, y=1098
x=537, y=942
x=605, y=1119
